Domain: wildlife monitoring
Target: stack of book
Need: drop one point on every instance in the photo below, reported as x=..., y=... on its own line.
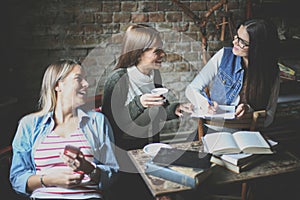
x=238, y=151
x=237, y=162
x=290, y=69
x=286, y=73
x=189, y=168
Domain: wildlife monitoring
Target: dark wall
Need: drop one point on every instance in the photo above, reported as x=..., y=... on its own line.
x=37, y=32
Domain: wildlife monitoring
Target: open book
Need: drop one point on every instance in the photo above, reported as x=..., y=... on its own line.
x=223, y=112
x=241, y=141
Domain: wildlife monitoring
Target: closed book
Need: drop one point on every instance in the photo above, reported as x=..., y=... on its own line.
x=187, y=176
x=237, y=168
x=183, y=158
x=238, y=158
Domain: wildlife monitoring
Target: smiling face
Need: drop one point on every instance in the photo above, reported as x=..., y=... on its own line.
x=72, y=90
x=152, y=57
x=241, y=42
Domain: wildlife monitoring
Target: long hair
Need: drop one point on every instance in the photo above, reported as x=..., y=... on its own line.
x=137, y=39
x=263, y=69
x=54, y=72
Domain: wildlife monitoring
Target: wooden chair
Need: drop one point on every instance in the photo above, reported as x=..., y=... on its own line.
x=252, y=121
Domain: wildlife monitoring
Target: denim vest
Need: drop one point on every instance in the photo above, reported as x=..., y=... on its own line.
x=228, y=82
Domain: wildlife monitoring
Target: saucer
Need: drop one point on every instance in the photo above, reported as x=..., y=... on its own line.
x=152, y=149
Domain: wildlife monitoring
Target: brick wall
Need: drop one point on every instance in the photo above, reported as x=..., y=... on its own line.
x=38, y=32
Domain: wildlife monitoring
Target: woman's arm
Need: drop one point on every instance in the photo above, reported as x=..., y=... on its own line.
x=22, y=167
x=202, y=80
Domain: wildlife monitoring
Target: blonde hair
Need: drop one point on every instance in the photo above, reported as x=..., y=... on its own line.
x=54, y=72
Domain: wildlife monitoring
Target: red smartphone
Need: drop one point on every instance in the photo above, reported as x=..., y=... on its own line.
x=71, y=151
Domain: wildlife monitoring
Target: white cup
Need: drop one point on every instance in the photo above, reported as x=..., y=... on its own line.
x=159, y=91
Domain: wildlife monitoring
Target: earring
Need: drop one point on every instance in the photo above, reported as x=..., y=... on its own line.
x=57, y=89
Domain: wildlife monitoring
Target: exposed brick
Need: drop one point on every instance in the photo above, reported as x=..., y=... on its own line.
x=167, y=67
x=164, y=25
x=139, y=17
x=148, y=6
x=111, y=6
x=193, y=36
x=92, y=29
x=167, y=6
x=103, y=17
x=156, y=17
x=110, y=28
x=181, y=67
x=198, y=5
x=92, y=6
x=184, y=46
x=181, y=27
x=174, y=16
x=123, y=17
x=128, y=6
x=75, y=28
x=191, y=56
x=172, y=57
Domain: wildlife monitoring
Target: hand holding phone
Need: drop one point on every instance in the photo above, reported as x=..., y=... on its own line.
x=71, y=151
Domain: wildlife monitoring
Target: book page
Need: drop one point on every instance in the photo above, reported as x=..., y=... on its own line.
x=251, y=142
x=223, y=112
x=220, y=143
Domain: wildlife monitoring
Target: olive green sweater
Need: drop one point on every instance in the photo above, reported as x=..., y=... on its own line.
x=131, y=123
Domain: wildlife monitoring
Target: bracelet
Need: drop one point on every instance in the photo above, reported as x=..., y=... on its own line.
x=42, y=182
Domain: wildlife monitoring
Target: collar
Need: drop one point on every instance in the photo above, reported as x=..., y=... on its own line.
x=82, y=115
x=238, y=64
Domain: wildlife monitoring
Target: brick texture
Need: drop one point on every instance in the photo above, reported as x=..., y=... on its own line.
x=42, y=31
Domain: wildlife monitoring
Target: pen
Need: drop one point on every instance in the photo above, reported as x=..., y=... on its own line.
x=208, y=99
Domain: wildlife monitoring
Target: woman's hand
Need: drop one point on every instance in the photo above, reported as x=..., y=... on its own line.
x=185, y=107
x=241, y=110
x=64, y=177
x=78, y=163
x=150, y=100
x=212, y=109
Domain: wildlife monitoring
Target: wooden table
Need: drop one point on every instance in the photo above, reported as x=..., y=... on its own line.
x=279, y=163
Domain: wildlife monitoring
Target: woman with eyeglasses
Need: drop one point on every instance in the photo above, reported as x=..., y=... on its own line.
x=245, y=75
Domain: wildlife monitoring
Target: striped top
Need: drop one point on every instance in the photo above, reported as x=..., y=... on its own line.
x=47, y=160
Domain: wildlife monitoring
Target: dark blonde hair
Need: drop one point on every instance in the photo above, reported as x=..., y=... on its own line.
x=137, y=39
x=54, y=72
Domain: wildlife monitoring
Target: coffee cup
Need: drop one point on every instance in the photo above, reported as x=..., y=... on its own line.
x=159, y=91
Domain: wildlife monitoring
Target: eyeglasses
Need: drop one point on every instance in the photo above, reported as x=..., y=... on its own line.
x=242, y=43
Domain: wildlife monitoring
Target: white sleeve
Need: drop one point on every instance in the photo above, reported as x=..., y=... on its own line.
x=204, y=77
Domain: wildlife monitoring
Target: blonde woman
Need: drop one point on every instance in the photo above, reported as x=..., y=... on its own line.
x=39, y=167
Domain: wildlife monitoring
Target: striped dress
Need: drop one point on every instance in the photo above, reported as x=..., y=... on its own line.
x=47, y=160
